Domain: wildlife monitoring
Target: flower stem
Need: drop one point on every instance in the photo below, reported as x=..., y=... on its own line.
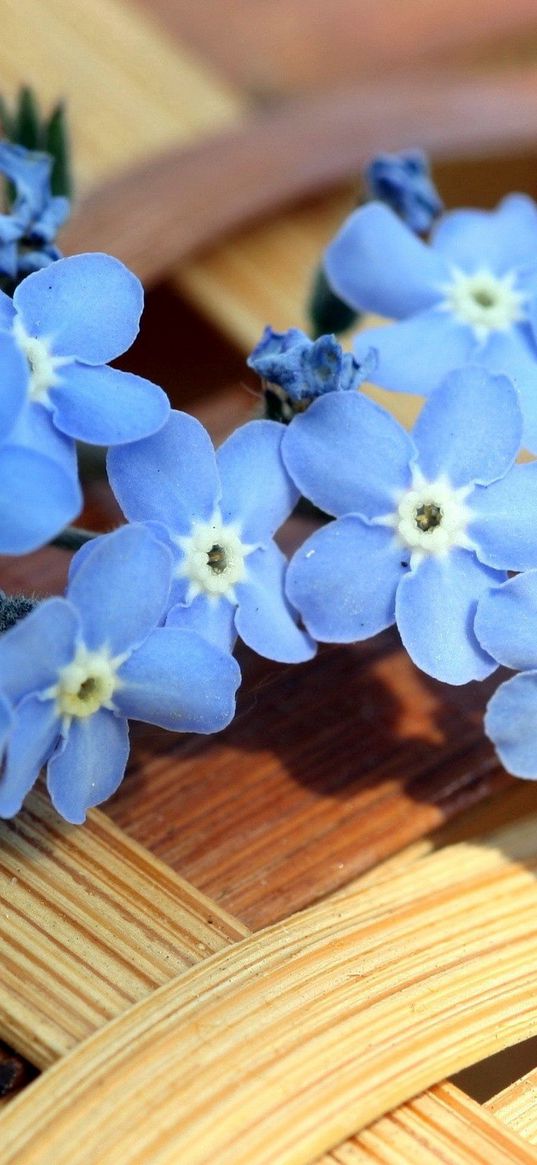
x=72, y=538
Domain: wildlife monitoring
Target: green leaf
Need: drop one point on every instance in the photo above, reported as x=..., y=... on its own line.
x=327, y=312
x=57, y=144
x=27, y=123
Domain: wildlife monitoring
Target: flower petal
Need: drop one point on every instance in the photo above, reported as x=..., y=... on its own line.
x=504, y=524
x=121, y=588
x=344, y=578
x=31, y=742
x=170, y=477
x=180, y=681
x=89, y=306
x=470, y=428
x=89, y=766
x=257, y=491
x=14, y=383
x=435, y=610
x=506, y=622
x=377, y=264
x=417, y=354
x=35, y=648
x=498, y=240
x=514, y=353
x=37, y=498
x=511, y=724
x=107, y=407
x=6, y=722
x=264, y=617
x=214, y=621
x=347, y=454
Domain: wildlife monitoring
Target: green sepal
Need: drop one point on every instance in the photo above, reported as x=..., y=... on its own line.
x=26, y=129
x=327, y=313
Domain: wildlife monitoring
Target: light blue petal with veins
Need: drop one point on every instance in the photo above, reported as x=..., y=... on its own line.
x=264, y=616
x=89, y=765
x=506, y=622
x=511, y=724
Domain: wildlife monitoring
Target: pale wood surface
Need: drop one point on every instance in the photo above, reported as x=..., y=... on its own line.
x=449, y=946
x=90, y=923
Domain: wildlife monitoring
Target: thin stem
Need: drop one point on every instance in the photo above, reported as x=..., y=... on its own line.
x=72, y=538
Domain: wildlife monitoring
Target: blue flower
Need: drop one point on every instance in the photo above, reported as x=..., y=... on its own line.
x=28, y=231
x=218, y=514
x=469, y=297
x=403, y=182
x=506, y=625
x=425, y=522
x=39, y=495
x=77, y=668
x=68, y=321
x=296, y=369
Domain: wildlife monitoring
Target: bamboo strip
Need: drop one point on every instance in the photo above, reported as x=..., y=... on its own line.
x=517, y=1106
x=129, y=89
x=442, y=1125
x=278, y=1048
x=89, y=923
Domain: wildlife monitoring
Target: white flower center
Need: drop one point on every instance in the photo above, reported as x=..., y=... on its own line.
x=213, y=559
x=41, y=363
x=487, y=302
x=87, y=683
x=431, y=517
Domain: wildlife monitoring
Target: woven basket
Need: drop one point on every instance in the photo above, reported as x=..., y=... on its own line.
x=272, y=947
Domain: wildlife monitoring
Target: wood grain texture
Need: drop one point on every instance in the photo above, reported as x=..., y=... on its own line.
x=317, y=143
x=291, y=1040
x=517, y=1106
x=89, y=923
x=297, y=45
x=443, y=1125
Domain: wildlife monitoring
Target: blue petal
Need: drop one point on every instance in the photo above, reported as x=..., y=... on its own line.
x=377, y=264
x=121, y=588
x=6, y=722
x=344, y=578
x=33, y=651
x=497, y=240
x=214, y=621
x=515, y=354
x=89, y=306
x=179, y=681
x=37, y=499
x=506, y=622
x=417, y=354
x=32, y=740
x=504, y=526
x=14, y=383
x=264, y=617
x=90, y=765
x=36, y=430
x=7, y=311
x=470, y=428
x=170, y=477
x=257, y=491
x=511, y=724
x=107, y=407
x=347, y=454
x=435, y=609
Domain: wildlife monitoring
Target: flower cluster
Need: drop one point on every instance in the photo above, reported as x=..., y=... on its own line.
x=423, y=529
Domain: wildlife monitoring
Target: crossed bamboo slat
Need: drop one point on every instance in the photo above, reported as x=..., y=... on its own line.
x=281, y=1045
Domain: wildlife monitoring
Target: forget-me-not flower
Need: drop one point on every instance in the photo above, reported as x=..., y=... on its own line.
x=67, y=322
x=506, y=626
x=76, y=669
x=296, y=370
x=28, y=231
x=218, y=513
x=39, y=495
x=403, y=181
x=468, y=297
x=425, y=522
